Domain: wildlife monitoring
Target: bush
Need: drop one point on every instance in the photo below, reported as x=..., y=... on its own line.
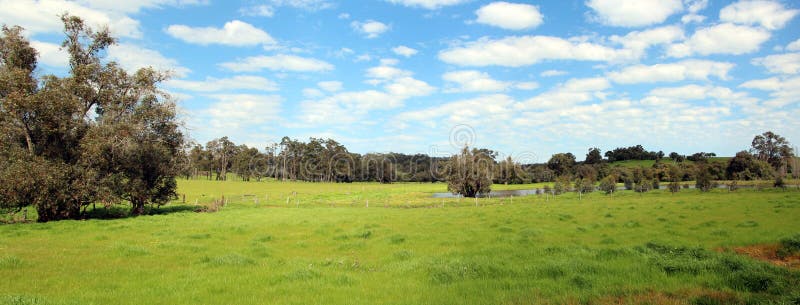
x=608, y=184
x=789, y=246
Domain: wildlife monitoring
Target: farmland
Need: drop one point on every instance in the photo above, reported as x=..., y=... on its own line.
x=319, y=243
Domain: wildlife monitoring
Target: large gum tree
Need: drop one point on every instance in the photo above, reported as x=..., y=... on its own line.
x=98, y=134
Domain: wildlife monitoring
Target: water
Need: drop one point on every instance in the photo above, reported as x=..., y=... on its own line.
x=517, y=193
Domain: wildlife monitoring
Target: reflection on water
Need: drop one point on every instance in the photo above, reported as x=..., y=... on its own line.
x=517, y=193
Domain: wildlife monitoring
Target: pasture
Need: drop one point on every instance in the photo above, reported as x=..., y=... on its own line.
x=317, y=243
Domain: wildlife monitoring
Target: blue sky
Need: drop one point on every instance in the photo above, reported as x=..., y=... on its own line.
x=526, y=78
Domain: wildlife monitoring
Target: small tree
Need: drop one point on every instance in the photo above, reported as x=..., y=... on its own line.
x=608, y=184
x=470, y=173
x=703, y=179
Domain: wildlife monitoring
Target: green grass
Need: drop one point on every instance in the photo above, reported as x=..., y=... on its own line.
x=326, y=247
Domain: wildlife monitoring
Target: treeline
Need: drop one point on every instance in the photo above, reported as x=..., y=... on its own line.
x=326, y=160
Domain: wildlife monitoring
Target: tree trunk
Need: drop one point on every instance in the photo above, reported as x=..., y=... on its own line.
x=137, y=207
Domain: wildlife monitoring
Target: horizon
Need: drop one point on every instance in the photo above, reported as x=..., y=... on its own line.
x=420, y=76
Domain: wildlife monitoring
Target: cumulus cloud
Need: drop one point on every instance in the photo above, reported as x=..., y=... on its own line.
x=409, y=87
x=725, y=38
x=567, y=94
x=793, y=46
x=780, y=64
x=518, y=51
x=474, y=81
x=330, y=86
x=488, y=107
x=211, y=84
x=236, y=111
x=782, y=91
x=633, y=13
x=693, y=7
x=258, y=11
x=427, y=4
x=51, y=54
x=404, y=51
x=672, y=72
x=385, y=72
x=133, y=57
x=347, y=107
x=771, y=15
x=233, y=33
x=42, y=16
x=370, y=28
x=638, y=42
x=510, y=16
x=281, y=62
x=551, y=73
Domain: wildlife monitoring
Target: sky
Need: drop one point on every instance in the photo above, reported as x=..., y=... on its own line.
x=525, y=78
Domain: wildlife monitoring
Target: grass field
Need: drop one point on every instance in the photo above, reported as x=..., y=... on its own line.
x=326, y=247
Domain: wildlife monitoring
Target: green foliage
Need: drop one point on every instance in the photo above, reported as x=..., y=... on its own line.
x=789, y=246
x=608, y=184
x=98, y=134
x=470, y=173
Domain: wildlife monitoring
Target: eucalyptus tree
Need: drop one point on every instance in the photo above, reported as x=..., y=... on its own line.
x=470, y=173
x=98, y=134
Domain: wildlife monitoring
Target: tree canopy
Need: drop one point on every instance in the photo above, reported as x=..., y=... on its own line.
x=99, y=134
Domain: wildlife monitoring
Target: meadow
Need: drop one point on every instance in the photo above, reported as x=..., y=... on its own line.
x=368, y=243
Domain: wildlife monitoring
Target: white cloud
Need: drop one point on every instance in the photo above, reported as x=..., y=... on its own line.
x=330, y=86
x=633, y=13
x=510, y=16
x=683, y=97
x=771, y=15
x=132, y=58
x=136, y=6
x=384, y=72
x=427, y=4
x=258, y=10
x=639, y=41
x=793, y=46
x=518, y=51
x=568, y=94
x=725, y=38
x=347, y=107
x=494, y=108
x=551, y=73
x=672, y=72
x=233, y=33
x=781, y=64
x=404, y=51
x=309, y=5
x=474, y=81
x=312, y=93
x=370, y=28
x=694, y=6
x=526, y=85
x=237, y=111
x=782, y=91
x=42, y=16
x=281, y=62
x=768, y=84
x=408, y=87
x=51, y=54
x=239, y=82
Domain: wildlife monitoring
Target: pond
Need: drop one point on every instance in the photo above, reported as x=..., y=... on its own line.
x=517, y=193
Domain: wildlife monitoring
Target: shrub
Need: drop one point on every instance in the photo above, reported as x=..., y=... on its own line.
x=789, y=246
